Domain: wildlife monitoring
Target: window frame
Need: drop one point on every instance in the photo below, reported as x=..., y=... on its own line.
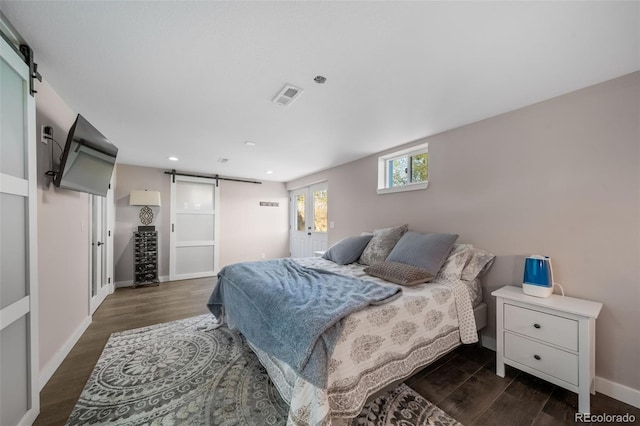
x=383, y=170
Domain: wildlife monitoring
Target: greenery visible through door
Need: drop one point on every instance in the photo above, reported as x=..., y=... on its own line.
x=320, y=210
x=320, y=201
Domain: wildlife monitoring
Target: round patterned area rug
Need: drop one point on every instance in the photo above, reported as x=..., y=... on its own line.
x=173, y=373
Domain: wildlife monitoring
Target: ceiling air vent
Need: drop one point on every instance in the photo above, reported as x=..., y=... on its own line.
x=287, y=95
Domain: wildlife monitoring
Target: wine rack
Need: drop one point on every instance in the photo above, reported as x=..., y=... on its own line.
x=145, y=258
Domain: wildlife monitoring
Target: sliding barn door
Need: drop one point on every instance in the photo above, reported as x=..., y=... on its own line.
x=194, y=228
x=19, y=390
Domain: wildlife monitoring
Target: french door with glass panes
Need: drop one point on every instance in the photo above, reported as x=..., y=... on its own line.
x=195, y=204
x=19, y=369
x=309, y=221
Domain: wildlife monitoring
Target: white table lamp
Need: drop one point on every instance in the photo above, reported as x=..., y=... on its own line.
x=145, y=198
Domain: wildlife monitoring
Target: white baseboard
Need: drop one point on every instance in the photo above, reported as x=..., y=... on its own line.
x=489, y=343
x=129, y=283
x=607, y=387
x=61, y=354
x=30, y=417
x=617, y=391
x=120, y=284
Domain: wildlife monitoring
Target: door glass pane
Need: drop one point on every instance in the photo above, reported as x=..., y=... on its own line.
x=191, y=260
x=320, y=211
x=300, y=212
x=194, y=227
x=13, y=249
x=12, y=136
x=14, y=370
x=419, y=168
x=194, y=196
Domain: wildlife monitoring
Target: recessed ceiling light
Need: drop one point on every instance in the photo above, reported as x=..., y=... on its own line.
x=223, y=160
x=320, y=79
x=172, y=158
x=249, y=143
x=269, y=172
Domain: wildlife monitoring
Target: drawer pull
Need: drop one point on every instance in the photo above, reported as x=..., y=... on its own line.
x=536, y=325
x=537, y=357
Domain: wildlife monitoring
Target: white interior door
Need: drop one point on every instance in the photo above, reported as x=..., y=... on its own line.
x=100, y=245
x=19, y=369
x=309, y=220
x=194, y=228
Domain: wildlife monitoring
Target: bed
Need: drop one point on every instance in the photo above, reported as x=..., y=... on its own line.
x=374, y=346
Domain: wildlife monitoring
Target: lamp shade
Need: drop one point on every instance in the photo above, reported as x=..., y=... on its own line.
x=144, y=198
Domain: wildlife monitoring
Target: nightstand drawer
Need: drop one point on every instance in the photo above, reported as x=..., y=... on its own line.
x=553, y=329
x=554, y=362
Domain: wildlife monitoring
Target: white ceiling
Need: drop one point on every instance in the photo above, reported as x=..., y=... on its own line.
x=196, y=79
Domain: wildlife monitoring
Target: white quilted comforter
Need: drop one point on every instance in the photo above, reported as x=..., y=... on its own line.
x=379, y=346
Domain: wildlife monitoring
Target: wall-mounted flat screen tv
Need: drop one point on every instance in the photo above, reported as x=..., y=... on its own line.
x=87, y=160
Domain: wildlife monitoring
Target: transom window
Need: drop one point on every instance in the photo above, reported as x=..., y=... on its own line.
x=404, y=170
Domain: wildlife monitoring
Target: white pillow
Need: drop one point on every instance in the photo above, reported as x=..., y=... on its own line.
x=480, y=262
x=459, y=257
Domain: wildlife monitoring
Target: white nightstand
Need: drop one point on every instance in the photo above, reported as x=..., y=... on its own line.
x=552, y=338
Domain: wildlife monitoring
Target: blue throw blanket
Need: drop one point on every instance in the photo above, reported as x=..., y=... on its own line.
x=286, y=309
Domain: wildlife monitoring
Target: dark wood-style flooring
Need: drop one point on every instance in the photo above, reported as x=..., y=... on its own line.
x=125, y=309
x=463, y=383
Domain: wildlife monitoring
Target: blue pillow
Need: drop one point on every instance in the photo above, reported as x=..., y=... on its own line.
x=426, y=251
x=348, y=250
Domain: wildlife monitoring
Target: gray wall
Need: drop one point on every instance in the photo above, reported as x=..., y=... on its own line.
x=247, y=230
x=559, y=178
x=63, y=240
x=127, y=221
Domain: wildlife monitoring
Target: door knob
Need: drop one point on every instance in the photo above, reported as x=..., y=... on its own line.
x=100, y=243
